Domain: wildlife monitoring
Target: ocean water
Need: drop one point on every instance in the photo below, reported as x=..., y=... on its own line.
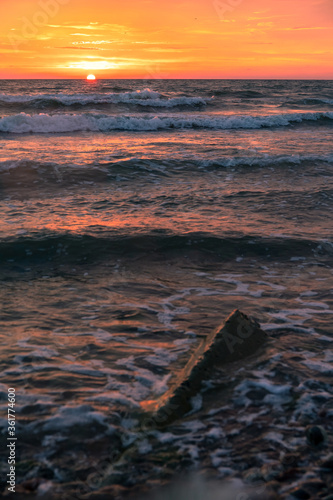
x=135, y=217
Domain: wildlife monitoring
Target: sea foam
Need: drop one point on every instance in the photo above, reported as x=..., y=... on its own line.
x=144, y=97
x=64, y=123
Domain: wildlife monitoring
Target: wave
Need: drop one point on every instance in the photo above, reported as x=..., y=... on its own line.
x=308, y=101
x=65, y=123
x=144, y=97
x=54, y=247
x=89, y=171
x=317, y=100
x=266, y=160
x=243, y=94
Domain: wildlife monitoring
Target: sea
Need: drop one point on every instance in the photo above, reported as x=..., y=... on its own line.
x=136, y=215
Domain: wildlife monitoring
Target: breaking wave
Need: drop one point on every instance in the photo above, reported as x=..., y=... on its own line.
x=89, y=170
x=308, y=101
x=88, y=249
x=144, y=97
x=65, y=123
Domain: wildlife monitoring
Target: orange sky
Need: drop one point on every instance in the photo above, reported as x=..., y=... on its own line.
x=166, y=38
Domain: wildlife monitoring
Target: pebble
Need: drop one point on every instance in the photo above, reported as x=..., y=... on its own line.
x=327, y=464
x=271, y=471
x=314, y=485
x=315, y=435
x=300, y=493
x=253, y=475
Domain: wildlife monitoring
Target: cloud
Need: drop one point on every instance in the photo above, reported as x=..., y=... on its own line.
x=260, y=18
x=93, y=42
x=304, y=28
x=13, y=51
x=93, y=65
x=80, y=34
x=91, y=26
x=78, y=48
x=171, y=49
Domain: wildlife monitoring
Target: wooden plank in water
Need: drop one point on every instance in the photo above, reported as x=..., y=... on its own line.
x=238, y=337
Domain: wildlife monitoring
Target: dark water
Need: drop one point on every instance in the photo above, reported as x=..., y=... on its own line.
x=135, y=216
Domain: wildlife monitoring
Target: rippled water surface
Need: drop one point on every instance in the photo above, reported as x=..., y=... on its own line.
x=135, y=216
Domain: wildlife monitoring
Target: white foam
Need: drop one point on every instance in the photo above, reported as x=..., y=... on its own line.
x=40, y=353
x=82, y=370
x=163, y=357
x=44, y=488
x=265, y=160
x=193, y=425
x=145, y=384
x=144, y=447
x=196, y=402
x=324, y=101
x=328, y=356
x=308, y=293
x=216, y=459
x=183, y=342
x=306, y=407
x=197, y=488
x=276, y=394
x=215, y=433
x=241, y=288
x=286, y=318
x=321, y=305
x=165, y=437
x=275, y=437
x=69, y=416
x=113, y=397
x=319, y=366
x=64, y=123
x=144, y=97
x=247, y=385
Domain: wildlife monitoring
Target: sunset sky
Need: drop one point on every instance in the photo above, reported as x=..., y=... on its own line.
x=166, y=38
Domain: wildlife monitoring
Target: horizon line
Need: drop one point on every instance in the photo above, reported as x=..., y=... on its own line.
x=158, y=79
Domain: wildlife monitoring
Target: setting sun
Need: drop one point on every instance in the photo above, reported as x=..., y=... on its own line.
x=199, y=39
x=142, y=208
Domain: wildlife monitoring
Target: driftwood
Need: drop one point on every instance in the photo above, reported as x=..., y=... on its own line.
x=239, y=337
